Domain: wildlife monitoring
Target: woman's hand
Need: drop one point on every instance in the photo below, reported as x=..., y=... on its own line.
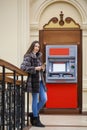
x=38, y=68
x=43, y=66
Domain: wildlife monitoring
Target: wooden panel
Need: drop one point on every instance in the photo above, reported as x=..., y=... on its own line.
x=65, y=37
x=61, y=37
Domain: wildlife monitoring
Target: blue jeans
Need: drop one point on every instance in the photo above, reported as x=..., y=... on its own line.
x=38, y=100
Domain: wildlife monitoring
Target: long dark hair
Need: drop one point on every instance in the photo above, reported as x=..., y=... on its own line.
x=32, y=47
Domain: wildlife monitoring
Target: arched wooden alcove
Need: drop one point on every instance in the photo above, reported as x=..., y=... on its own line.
x=64, y=32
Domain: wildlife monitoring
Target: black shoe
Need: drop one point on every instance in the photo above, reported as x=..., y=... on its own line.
x=37, y=122
x=40, y=122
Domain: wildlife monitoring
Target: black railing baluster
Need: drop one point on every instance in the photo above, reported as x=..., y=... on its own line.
x=22, y=103
x=10, y=114
x=12, y=98
x=27, y=108
x=3, y=97
x=14, y=84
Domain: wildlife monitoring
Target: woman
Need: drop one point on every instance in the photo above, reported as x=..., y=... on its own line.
x=35, y=84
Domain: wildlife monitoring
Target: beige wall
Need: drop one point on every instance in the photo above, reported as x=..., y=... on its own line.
x=14, y=30
x=8, y=30
x=19, y=25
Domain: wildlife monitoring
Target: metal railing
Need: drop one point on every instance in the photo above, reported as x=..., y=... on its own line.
x=12, y=97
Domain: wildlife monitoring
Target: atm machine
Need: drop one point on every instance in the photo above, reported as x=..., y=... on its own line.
x=61, y=76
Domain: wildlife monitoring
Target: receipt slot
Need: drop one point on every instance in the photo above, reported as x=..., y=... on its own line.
x=61, y=76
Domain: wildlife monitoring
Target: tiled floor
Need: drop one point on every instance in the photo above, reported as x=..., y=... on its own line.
x=62, y=122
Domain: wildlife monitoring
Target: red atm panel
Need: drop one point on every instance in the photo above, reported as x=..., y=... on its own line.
x=59, y=51
x=61, y=95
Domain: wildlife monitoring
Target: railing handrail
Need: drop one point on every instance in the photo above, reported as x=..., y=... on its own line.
x=12, y=67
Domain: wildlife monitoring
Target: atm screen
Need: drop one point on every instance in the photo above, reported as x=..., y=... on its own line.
x=59, y=67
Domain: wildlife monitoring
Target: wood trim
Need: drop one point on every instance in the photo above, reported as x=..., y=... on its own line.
x=11, y=74
x=59, y=111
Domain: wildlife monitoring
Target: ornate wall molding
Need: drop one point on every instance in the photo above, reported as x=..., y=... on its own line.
x=84, y=26
x=40, y=9
x=34, y=25
x=34, y=30
x=55, y=23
